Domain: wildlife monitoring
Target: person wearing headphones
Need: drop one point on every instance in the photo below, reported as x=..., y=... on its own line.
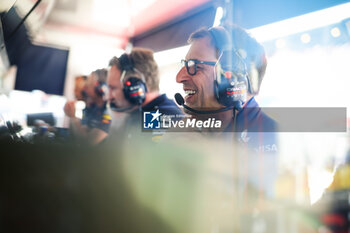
x=95, y=123
x=79, y=84
x=221, y=74
x=133, y=81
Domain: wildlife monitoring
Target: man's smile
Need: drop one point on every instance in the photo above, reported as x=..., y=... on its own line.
x=190, y=93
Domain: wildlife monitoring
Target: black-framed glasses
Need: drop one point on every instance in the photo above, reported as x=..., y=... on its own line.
x=191, y=65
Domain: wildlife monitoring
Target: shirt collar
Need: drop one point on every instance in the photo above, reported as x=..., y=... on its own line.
x=155, y=102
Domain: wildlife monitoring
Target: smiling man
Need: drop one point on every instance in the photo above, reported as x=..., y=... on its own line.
x=221, y=74
x=200, y=75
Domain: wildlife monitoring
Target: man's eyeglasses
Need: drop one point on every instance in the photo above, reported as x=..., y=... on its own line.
x=191, y=65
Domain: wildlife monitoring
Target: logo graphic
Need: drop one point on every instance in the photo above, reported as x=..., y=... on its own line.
x=151, y=120
x=177, y=122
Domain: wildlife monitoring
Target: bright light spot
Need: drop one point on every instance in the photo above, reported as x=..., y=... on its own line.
x=335, y=32
x=305, y=38
x=169, y=62
x=218, y=16
x=280, y=43
x=79, y=106
x=139, y=5
x=171, y=56
x=319, y=180
x=302, y=23
x=104, y=11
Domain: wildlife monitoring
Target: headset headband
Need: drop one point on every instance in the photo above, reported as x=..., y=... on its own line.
x=221, y=37
x=127, y=64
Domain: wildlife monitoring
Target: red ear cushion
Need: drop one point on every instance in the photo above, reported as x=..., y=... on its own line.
x=228, y=74
x=135, y=92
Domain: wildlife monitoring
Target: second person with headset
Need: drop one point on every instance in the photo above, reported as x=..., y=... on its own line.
x=133, y=81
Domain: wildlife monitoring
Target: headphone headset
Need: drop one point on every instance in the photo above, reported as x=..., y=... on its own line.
x=231, y=77
x=134, y=88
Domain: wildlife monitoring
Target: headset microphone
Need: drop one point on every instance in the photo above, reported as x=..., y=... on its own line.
x=180, y=101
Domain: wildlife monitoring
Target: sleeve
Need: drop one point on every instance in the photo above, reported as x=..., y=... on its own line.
x=84, y=120
x=103, y=123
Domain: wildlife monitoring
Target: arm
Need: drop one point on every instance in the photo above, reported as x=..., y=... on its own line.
x=92, y=135
x=95, y=136
x=75, y=123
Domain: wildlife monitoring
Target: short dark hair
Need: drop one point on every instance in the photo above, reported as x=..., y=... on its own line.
x=101, y=75
x=201, y=33
x=251, y=51
x=144, y=62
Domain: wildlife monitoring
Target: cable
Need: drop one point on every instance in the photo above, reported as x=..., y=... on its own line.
x=24, y=18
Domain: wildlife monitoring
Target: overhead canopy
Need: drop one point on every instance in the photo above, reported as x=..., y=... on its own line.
x=163, y=24
x=160, y=25
x=176, y=32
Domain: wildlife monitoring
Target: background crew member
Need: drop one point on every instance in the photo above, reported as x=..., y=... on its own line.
x=133, y=81
x=94, y=126
x=79, y=84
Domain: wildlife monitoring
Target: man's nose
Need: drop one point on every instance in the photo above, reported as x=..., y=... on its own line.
x=182, y=75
